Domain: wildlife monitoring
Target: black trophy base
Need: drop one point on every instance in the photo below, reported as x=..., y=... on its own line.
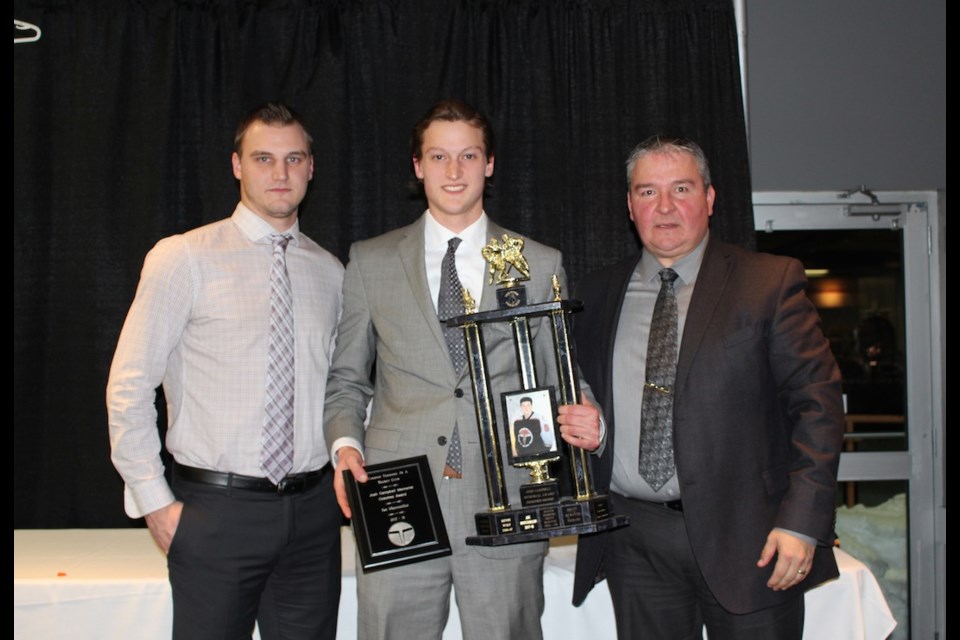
x=526, y=524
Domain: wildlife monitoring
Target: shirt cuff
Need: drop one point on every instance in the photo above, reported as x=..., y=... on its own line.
x=798, y=536
x=340, y=443
x=603, y=438
x=147, y=497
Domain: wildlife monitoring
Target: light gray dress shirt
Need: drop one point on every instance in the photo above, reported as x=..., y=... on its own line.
x=199, y=326
x=629, y=365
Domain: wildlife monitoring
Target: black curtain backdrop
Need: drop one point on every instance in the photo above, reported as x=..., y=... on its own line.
x=124, y=114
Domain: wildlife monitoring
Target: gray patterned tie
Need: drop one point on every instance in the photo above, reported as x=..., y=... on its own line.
x=449, y=305
x=276, y=453
x=656, y=422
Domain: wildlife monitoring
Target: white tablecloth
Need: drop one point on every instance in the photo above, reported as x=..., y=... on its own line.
x=112, y=583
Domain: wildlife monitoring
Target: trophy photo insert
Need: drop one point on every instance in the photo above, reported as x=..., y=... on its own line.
x=530, y=422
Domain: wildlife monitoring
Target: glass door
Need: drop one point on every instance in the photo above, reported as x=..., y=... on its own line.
x=870, y=262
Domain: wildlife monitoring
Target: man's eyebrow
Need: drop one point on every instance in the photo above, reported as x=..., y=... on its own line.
x=473, y=147
x=642, y=185
x=299, y=152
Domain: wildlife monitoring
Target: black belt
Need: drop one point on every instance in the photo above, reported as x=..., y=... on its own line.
x=293, y=483
x=673, y=505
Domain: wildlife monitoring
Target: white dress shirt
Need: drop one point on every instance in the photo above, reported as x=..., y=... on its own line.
x=199, y=325
x=471, y=267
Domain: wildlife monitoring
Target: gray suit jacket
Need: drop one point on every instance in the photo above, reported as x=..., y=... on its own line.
x=758, y=421
x=389, y=320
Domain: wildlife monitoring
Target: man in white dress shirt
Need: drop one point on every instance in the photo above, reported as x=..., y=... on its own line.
x=242, y=547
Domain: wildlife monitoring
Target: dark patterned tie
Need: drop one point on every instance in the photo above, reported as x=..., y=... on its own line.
x=449, y=305
x=276, y=453
x=656, y=422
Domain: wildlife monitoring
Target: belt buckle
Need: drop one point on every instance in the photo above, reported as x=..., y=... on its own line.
x=288, y=486
x=674, y=505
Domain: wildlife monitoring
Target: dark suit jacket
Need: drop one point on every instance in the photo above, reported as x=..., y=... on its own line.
x=758, y=420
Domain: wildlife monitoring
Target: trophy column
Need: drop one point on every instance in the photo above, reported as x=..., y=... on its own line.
x=486, y=417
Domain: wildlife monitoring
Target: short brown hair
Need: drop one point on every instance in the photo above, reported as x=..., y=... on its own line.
x=452, y=110
x=275, y=114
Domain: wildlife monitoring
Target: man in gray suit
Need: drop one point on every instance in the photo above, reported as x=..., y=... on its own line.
x=421, y=404
x=738, y=523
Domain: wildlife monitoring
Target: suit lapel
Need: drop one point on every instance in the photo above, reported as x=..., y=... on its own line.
x=412, y=257
x=711, y=282
x=619, y=281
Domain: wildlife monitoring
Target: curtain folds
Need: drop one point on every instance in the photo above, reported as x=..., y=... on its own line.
x=124, y=115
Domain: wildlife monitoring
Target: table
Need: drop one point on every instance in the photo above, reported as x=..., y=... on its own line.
x=112, y=583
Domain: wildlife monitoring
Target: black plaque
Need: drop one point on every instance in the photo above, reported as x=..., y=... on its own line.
x=396, y=514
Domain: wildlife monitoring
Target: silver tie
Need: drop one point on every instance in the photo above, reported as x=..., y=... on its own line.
x=276, y=453
x=656, y=421
x=449, y=305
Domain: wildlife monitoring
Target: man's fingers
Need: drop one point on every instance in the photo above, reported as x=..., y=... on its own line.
x=341, y=491
x=348, y=459
x=163, y=524
x=794, y=559
x=580, y=425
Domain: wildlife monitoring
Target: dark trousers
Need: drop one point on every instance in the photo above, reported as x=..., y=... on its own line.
x=659, y=593
x=242, y=556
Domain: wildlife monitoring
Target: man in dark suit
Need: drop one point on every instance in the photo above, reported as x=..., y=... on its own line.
x=421, y=402
x=737, y=521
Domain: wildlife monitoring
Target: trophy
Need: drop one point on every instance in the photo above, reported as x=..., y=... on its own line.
x=530, y=415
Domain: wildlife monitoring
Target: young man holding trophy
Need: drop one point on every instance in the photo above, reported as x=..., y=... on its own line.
x=399, y=289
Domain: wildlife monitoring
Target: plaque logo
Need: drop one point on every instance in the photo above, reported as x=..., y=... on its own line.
x=401, y=534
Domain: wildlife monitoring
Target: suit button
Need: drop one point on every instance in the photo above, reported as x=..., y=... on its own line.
x=458, y=393
x=442, y=440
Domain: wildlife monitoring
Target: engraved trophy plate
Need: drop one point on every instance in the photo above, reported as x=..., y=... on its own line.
x=544, y=512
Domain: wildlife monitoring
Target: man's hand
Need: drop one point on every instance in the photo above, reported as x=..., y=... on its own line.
x=794, y=559
x=580, y=424
x=163, y=524
x=347, y=458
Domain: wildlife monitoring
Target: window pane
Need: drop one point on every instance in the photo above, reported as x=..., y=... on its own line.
x=856, y=282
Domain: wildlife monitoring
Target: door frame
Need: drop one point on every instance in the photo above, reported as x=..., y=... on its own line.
x=919, y=215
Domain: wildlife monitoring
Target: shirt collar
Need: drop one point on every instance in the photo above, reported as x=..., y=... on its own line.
x=435, y=234
x=686, y=267
x=259, y=230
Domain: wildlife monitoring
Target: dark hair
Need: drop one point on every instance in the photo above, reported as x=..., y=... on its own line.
x=275, y=114
x=668, y=144
x=526, y=399
x=452, y=110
